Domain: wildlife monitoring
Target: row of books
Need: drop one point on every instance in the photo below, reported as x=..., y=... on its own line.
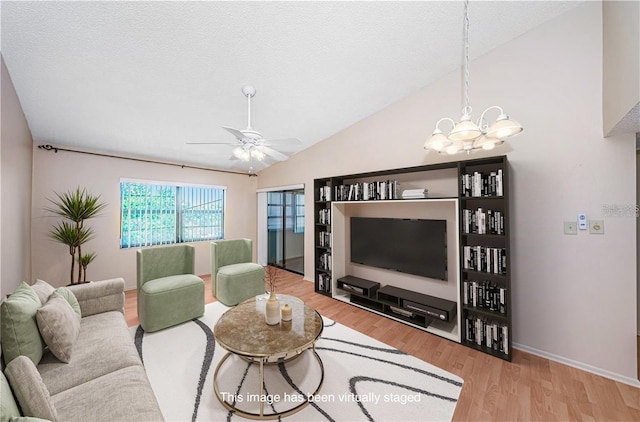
x=324, y=239
x=482, y=221
x=324, y=282
x=482, y=184
x=484, y=258
x=368, y=191
x=324, y=193
x=485, y=294
x=325, y=261
x=484, y=332
x=324, y=216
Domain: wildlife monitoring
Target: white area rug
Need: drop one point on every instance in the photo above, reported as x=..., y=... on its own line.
x=364, y=378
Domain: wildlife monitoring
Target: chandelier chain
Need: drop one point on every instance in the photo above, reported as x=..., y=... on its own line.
x=467, y=108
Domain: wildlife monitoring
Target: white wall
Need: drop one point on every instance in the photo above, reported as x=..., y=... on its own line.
x=62, y=171
x=621, y=80
x=574, y=297
x=15, y=190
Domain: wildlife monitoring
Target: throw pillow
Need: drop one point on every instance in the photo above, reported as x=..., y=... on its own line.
x=71, y=298
x=29, y=389
x=43, y=290
x=18, y=328
x=59, y=326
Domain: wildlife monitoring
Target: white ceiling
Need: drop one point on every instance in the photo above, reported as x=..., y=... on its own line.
x=143, y=78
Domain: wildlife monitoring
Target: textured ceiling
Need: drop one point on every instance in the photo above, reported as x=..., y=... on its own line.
x=143, y=78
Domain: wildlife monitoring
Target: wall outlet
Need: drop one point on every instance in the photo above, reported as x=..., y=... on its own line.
x=570, y=227
x=596, y=226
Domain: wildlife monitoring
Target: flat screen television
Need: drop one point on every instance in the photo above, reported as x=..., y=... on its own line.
x=409, y=246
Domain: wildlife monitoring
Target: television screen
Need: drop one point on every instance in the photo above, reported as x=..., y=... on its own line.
x=410, y=246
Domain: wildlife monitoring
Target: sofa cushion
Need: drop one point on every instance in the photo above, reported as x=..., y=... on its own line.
x=171, y=283
x=241, y=269
x=43, y=290
x=71, y=299
x=104, y=345
x=29, y=389
x=8, y=405
x=59, y=326
x=18, y=329
x=116, y=396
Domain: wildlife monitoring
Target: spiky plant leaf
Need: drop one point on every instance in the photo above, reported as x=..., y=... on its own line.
x=77, y=205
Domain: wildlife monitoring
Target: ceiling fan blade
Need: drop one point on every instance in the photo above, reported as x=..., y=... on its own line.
x=210, y=143
x=234, y=132
x=273, y=153
x=283, y=141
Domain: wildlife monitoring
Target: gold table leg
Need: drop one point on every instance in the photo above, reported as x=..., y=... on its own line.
x=261, y=415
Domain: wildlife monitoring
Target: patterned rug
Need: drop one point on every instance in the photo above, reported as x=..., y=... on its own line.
x=364, y=380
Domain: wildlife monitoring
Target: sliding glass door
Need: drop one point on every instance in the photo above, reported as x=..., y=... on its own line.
x=285, y=227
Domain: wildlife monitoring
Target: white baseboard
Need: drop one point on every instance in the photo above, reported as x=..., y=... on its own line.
x=583, y=366
x=307, y=279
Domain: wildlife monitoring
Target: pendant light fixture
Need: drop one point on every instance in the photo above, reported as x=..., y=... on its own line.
x=466, y=136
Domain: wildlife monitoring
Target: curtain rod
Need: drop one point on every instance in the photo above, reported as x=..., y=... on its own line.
x=49, y=147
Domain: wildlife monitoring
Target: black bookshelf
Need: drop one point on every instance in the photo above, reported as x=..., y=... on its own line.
x=483, y=192
x=486, y=283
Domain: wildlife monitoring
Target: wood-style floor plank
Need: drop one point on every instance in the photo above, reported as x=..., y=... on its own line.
x=530, y=388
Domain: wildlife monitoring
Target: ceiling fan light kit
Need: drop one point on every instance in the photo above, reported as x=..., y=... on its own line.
x=467, y=136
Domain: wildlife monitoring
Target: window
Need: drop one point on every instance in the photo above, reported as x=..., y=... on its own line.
x=275, y=211
x=158, y=214
x=299, y=213
x=287, y=206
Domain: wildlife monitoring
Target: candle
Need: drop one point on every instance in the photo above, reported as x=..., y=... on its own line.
x=286, y=312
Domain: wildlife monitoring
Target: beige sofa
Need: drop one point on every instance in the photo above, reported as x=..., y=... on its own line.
x=104, y=379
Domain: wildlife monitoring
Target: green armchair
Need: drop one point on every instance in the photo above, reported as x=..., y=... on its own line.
x=234, y=277
x=168, y=291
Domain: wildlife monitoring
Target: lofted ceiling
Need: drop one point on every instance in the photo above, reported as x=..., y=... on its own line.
x=141, y=79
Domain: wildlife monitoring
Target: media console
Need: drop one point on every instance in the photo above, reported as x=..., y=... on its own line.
x=416, y=308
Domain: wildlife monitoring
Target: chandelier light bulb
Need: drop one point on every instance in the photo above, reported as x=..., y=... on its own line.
x=437, y=141
x=504, y=128
x=452, y=149
x=465, y=130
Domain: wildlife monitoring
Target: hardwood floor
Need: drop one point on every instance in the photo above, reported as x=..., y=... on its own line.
x=529, y=388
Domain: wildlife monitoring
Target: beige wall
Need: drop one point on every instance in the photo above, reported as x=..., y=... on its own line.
x=621, y=70
x=574, y=297
x=62, y=171
x=15, y=190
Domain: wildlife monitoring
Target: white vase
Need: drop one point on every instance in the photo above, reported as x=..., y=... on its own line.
x=272, y=310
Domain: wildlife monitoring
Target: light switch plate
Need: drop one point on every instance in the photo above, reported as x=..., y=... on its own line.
x=596, y=226
x=570, y=227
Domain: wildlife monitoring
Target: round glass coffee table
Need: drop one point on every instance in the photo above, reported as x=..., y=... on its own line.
x=243, y=332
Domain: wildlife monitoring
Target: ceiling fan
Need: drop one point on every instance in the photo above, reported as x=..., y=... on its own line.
x=250, y=144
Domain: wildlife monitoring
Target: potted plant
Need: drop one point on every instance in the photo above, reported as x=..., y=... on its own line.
x=76, y=205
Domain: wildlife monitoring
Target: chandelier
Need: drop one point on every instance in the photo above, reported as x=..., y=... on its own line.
x=466, y=136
